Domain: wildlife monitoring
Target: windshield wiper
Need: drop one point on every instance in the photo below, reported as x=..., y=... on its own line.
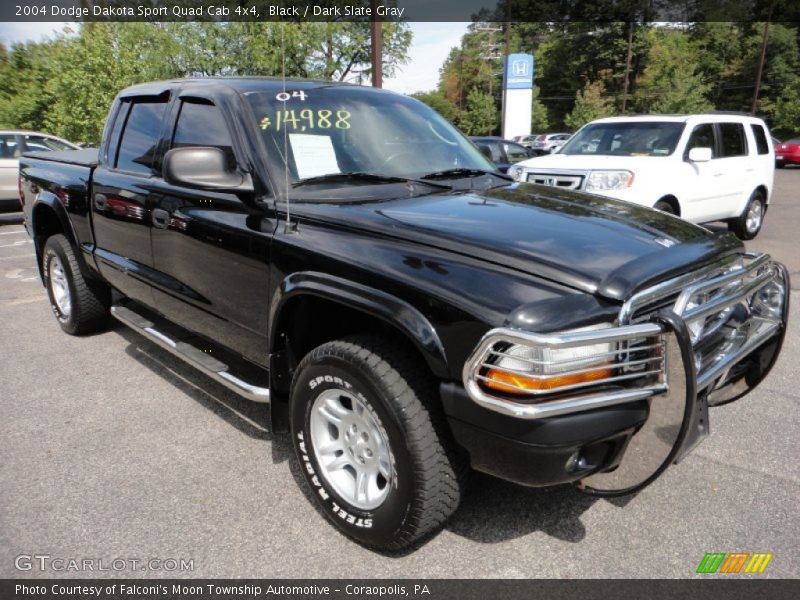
x=366, y=177
x=462, y=173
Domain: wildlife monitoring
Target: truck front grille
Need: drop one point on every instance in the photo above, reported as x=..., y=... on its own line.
x=570, y=181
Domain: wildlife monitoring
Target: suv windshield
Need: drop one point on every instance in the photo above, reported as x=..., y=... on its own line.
x=347, y=129
x=649, y=138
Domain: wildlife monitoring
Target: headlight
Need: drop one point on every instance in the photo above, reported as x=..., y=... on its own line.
x=608, y=180
x=519, y=369
x=517, y=173
x=768, y=301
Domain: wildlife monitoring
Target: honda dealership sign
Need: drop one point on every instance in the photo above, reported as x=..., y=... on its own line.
x=517, y=95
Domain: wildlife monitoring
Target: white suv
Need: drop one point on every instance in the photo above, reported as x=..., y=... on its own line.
x=700, y=167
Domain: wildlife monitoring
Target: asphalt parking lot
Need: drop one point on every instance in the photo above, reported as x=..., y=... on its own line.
x=110, y=448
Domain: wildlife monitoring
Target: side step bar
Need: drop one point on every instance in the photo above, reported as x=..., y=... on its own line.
x=201, y=361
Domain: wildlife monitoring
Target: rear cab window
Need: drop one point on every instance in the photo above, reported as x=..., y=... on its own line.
x=141, y=133
x=9, y=147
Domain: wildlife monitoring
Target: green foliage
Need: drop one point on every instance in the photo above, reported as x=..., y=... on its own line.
x=65, y=86
x=787, y=110
x=540, y=120
x=671, y=82
x=590, y=104
x=438, y=102
x=480, y=116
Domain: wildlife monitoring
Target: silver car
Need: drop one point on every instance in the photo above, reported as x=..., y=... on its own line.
x=550, y=142
x=12, y=145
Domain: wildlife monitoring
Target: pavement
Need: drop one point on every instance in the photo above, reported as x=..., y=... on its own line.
x=112, y=449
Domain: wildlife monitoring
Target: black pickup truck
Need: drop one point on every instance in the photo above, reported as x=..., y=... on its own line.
x=346, y=256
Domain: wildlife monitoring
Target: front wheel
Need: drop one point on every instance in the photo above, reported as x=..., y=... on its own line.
x=747, y=225
x=371, y=442
x=665, y=206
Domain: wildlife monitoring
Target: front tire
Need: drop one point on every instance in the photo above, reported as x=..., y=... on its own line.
x=79, y=304
x=371, y=442
x=747, y=225
x=666, y=207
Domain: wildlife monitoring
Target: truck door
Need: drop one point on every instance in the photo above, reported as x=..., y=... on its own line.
x=735, y=167
x=211, y=249
x=121, y=194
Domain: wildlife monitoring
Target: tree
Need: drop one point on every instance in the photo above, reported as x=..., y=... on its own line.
x=438, y=102
x=671, y=81
x=65, y=86
x=590, y=104
x=539, y=117
x=480, y=115
x=786, y=117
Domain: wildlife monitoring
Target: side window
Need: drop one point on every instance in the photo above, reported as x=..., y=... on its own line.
x=202, y=124
x=761, y=138
x=9, y=148
x=702, y=137
x=515, y=153
x=733, y=140
x=137, y=148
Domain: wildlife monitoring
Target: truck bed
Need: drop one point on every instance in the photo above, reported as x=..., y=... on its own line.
x=86, y=157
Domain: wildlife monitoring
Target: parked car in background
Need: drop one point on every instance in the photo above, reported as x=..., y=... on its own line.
x=525, y=140
x=549, y=142
x=503, y=153
x=700, y=167
x=787, y=153
x=12, y=145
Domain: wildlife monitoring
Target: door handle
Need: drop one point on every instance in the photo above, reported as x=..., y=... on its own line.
x=100, y=201
x=160, y=218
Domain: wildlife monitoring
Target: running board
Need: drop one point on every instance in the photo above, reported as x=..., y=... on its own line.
x=217, y=370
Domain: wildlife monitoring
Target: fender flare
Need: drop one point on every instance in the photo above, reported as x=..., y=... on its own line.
x=376, y=303
x=52, y=203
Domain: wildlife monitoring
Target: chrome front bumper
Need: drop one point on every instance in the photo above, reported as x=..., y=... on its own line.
x=744, y=306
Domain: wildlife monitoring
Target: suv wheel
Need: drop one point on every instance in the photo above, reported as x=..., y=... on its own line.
x=665, y=206
x=371, y=442
x=748, y=224
x=80, y=305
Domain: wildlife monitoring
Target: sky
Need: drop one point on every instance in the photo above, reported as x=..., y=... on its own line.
x=429, y=48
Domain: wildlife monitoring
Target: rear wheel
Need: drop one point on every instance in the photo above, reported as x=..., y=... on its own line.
x=80, y=305
x=371, y=441
x=747, y=225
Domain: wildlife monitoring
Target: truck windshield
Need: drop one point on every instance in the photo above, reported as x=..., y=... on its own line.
x=347, y=129
x=648, y=138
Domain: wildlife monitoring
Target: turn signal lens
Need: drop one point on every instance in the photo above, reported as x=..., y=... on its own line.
x=520, y=384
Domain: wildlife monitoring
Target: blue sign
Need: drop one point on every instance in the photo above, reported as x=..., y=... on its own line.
x=518, y=72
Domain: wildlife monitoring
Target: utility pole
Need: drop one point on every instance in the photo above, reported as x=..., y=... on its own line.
x=761, y=60
x=376, y=39
x=628, y=57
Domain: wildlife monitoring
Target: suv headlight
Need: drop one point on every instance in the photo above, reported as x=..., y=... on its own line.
x=517, y=173
x=608, y=180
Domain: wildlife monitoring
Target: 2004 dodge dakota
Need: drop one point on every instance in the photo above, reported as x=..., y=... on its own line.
x=352, y=260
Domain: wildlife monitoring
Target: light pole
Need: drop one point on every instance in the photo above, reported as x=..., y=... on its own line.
x=376, y=40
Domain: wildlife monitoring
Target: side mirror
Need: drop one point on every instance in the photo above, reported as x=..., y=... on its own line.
x=204, y=168
x=700, y=154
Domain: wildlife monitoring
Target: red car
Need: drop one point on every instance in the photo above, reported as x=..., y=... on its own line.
x=787, y=153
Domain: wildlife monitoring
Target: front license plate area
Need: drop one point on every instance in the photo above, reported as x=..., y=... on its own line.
x=675, y=425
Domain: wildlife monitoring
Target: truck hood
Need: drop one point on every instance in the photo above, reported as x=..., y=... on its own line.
x=595, y=244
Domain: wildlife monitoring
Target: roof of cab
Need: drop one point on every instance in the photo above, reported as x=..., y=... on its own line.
x=240, y=84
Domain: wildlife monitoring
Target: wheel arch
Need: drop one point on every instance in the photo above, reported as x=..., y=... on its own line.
x=673, y=202
x=48, y=218
x=312, y=308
